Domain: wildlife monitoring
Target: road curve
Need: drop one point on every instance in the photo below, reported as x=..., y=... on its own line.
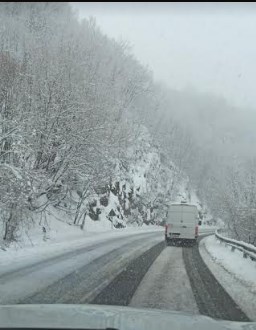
x=22, y=284
x=140, y=271
x=177, y=280
x=84, y=283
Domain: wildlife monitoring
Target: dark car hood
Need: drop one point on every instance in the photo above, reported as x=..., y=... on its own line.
x=102, y=317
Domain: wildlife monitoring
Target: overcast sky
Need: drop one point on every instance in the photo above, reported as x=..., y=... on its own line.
x=208, y=46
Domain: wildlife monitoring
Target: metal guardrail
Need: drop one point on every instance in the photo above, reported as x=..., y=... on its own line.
x=248, y=251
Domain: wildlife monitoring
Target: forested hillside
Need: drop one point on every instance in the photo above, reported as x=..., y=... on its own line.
x=71, y=137
x=85, y=130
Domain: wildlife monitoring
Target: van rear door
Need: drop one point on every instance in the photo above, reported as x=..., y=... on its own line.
x=188, y=222
x=174, y=221
x=181, y=221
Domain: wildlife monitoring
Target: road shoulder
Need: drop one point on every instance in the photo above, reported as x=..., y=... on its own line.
x=244, y=295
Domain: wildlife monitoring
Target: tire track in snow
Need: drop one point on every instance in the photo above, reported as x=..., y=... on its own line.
x=121, y=289
x=211, y=298
x=79, y=286
x=166, y=285
x=24, y=282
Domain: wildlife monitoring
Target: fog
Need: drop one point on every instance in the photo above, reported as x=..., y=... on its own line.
x=203, y=57
x=85, y=115
x=209, y=47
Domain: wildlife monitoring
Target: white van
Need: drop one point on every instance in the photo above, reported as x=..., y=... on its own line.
x=182, y=223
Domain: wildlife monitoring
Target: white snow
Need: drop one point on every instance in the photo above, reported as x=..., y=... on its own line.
x=62, y=238
x=241, y=242
x=13, y=169
x=236, y=274
x=205, y=229
x=21, y=284
x=243, y=269
x=166, y=285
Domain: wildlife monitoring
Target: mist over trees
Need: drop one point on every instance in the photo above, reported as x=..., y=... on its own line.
x=80, y=117
x=212, y=142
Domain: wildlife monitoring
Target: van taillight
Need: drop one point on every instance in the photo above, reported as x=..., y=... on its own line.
x=196, y=231
x=166, y=227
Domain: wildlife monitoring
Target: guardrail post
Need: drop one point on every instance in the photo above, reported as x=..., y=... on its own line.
x=245, y=255
x=233, y=248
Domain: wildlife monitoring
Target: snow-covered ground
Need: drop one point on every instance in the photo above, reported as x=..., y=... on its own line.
x=166, y=285
x=205, y=229
x=16, y=285
x=236, y=274
x=63, y=238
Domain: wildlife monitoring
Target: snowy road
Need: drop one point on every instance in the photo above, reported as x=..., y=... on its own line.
x=211, y=298
x=177, y=280
x=166, y=285
x=61, y=273
x=136, y=270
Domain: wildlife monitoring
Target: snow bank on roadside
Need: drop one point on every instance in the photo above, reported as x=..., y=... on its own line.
x=243, y=269
x=203, y=226
x=206, y=229
x=228, y=235
x=236, y=274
